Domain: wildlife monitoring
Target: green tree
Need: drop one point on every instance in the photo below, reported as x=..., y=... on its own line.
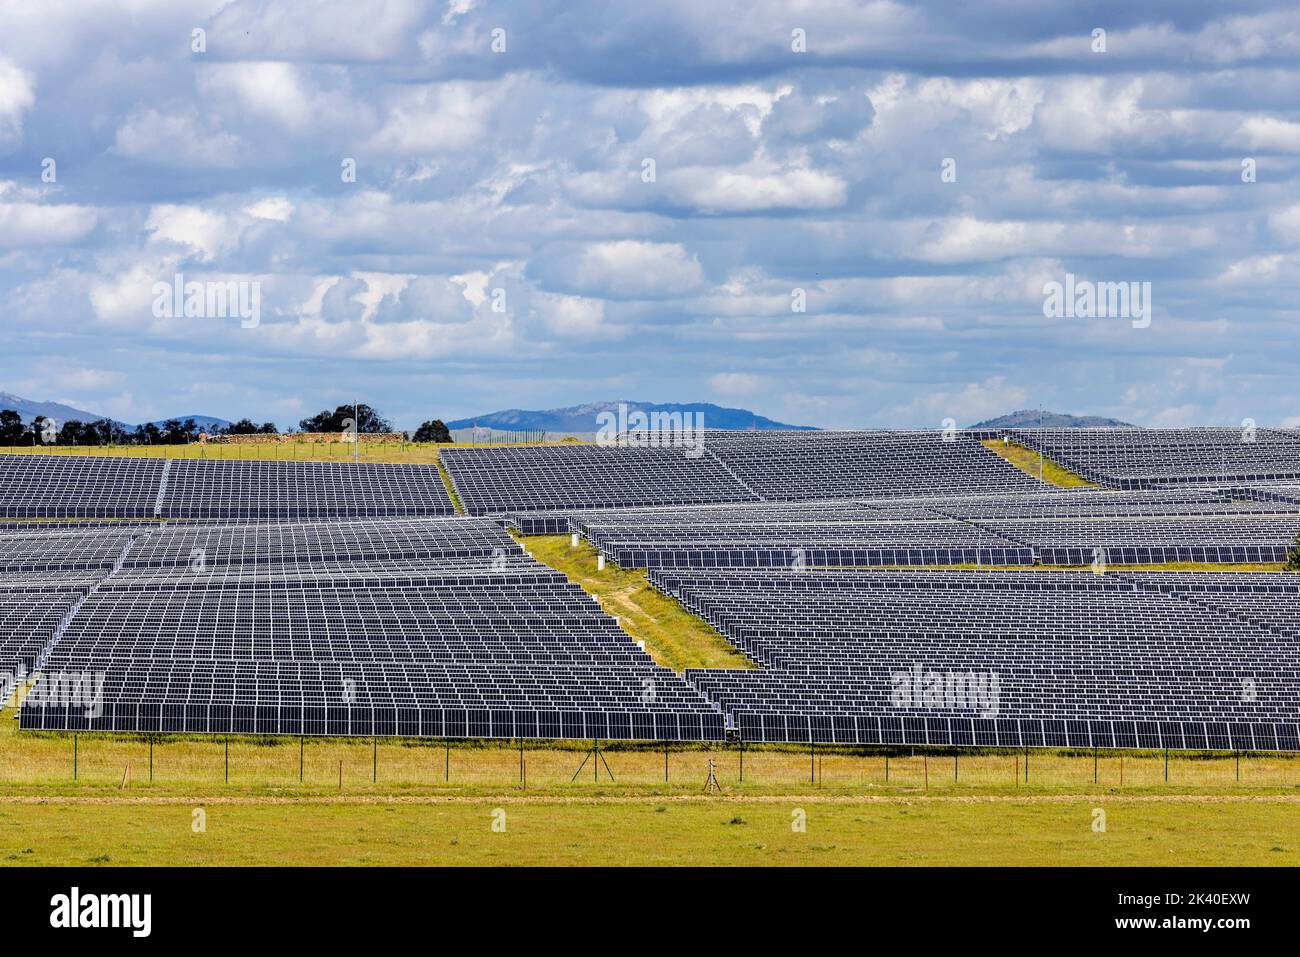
x=11, y=427
x=434, y=430
x=368, y=420
x=1293, y=556
x=249, y=427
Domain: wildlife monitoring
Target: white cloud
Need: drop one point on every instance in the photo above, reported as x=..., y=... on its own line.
x=571, y=316
x=1286, y=224
x=34, y=224
x=723, y=191
x=275, y=208
x=204, y=231
x=735, y=383
x=630, y=269
x=176, y=139
x=1270, y=133
x=270, y=90
x=17, y=96
x=439, y=118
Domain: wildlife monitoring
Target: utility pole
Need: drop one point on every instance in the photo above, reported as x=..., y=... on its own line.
x=356, y=431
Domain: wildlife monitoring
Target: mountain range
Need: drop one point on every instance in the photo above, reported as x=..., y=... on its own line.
x=584, y=418
x=60, y=413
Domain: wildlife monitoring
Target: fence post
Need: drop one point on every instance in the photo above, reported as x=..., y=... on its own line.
x=74, y=757
x=227, y=759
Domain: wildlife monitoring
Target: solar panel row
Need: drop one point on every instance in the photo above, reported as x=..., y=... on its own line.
x=1157, y=458
x=442, y=627
x=1006, y=658
x=91, y=487
x=727, y=467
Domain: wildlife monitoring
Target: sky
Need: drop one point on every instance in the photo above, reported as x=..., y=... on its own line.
x=835, y=214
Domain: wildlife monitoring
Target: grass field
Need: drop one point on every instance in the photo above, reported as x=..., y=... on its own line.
x=667, y=831
x=409, y=802
x=289, y=449
x=1027, y=460
x=674, y=637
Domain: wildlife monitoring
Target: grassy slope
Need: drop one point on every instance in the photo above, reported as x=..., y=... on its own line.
x=1026, y=460
x=401, y=453
x=673, y=636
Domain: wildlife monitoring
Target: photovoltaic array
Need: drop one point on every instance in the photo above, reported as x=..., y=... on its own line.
x=1007, y=659
x=335, y=598
x=66, y=486
x=726, y=467
x=443, y=628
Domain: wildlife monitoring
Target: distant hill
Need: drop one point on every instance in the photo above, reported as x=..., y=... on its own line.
x=1032, y=419
x=582, y=418
x=60, y=413
x=30, y=409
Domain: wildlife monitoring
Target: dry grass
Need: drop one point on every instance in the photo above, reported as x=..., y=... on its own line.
x=495, y=831
x=673, y=636
x=1026, y=459
x=287, y=449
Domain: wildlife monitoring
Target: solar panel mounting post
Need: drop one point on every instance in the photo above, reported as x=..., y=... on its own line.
x=597, y=758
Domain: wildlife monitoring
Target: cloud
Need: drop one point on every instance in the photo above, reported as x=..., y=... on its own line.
x=17, y=96
x=735, y=383
x=711, y=191
x=631, y=269
x=500, y=245
x=166, y=138
x=37, y=224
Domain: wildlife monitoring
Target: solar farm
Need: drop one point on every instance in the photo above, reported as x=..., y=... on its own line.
x=901, y=595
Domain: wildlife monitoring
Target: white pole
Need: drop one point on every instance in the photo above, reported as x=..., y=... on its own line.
x=356, y=434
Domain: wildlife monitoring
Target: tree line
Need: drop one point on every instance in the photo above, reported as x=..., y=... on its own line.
x=346, y=418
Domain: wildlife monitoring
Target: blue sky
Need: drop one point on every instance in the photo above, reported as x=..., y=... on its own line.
x=504, y=246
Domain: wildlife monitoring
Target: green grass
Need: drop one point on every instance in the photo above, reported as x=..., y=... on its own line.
x=654, y=832
x=288, y=449
x=1026, y=459
x=412, y=802
x=673, y=636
